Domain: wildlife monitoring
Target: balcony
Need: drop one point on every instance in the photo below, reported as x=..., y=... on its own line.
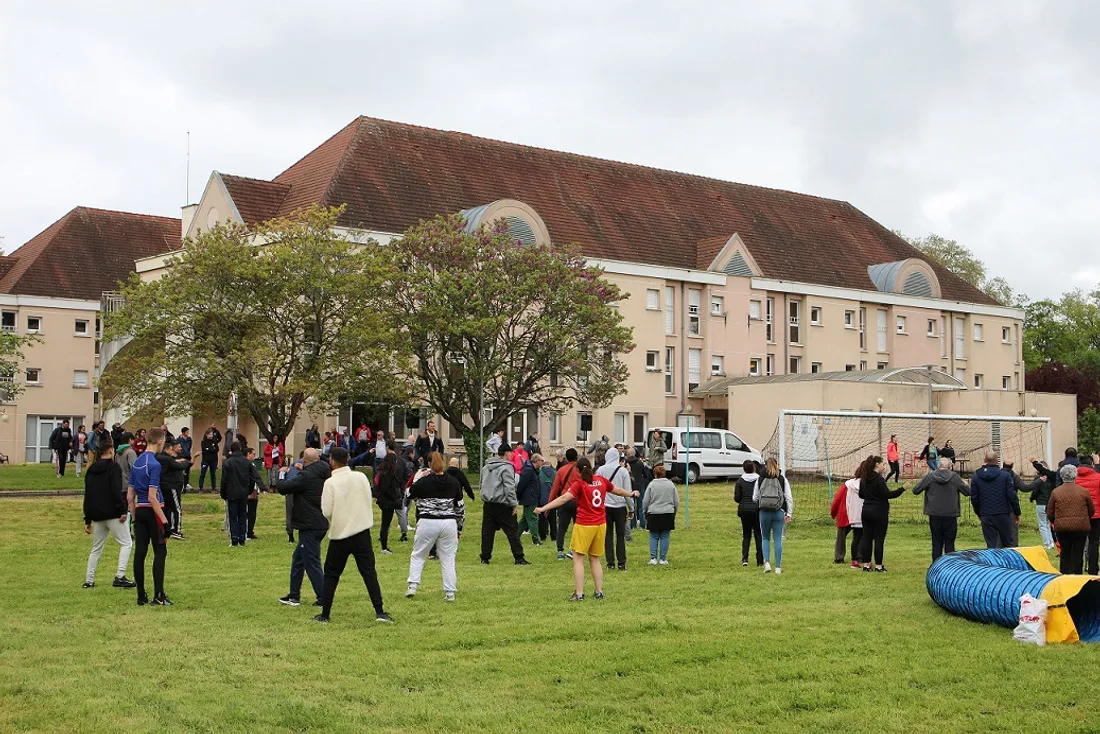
x=109, y=303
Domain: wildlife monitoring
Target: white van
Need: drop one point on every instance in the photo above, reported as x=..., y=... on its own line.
x=714, y=453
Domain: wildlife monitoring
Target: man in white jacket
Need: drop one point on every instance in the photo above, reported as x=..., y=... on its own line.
x=346, y=504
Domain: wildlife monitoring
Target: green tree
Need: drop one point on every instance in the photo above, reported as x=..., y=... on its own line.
x=1088, y=431
x=533, y=327
x=281, y=314
x=11, y=361
x=963, y=263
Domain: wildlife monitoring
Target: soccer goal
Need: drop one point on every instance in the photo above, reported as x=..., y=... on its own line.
x=819, y=449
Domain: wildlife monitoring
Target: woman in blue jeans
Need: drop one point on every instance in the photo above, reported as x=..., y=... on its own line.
x=773, y=489
x=659, y=510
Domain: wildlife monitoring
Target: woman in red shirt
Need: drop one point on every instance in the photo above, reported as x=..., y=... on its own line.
x=590, y=528
x=893, y=456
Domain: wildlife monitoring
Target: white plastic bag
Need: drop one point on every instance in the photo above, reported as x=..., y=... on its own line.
x=1033, y=621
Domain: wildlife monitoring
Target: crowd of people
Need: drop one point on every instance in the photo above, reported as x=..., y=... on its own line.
x=605, y=495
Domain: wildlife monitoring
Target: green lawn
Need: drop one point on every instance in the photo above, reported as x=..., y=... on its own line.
x=38, y=477
x=700, y=645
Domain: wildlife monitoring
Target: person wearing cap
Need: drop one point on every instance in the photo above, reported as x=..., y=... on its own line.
x=498, y=493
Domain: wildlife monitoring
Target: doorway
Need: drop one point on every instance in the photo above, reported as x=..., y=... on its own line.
x=39, y=429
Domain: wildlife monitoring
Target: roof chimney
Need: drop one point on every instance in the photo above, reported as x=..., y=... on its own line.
x=188, y=215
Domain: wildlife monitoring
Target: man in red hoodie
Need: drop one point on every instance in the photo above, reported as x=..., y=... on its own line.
x=1088, y=478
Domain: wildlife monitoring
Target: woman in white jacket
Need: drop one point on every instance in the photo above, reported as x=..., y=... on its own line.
x=854, y=506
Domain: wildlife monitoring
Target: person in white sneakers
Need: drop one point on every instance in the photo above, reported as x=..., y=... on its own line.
x=659, y=510
x=105, y=514
x=772, y=495
x=438, y=497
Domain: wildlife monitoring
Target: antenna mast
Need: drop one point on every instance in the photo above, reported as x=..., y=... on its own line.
x=187, y=178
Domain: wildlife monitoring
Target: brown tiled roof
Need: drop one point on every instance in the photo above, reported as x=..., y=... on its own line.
x=391, y=174
x=86, y=252
x=256, y=200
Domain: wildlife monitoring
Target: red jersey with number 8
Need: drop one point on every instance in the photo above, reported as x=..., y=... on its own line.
x=590, y=500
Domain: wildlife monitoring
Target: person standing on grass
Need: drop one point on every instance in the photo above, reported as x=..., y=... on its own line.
x=838, y=510
x=172, y=467
x=140, y=443
x=239, y=476
x=61, y=443
x=942, y=489
x=498, y=495
x=346, y=504
x=655, y=450
x=747, y=510
x=994, y=498
x=146, y=503
x=772, y=494
x=274, y=451
x=659, y=510
x=1070, y=510
x=564, y=477
x=390, y=490
x=210, y=448
x=640, y=477
x=306, y=487
x=893, y=457
x=253, y=505
x=428, y=442
x=437, y=497
x=105, y=514
x=1040, y=489
x=460, y=477
x=614, y=471
x=853, y=504
x=930, y=454
x=589, y=492
x=80, y=449
x=528, y=491
x=186, y=445
x=125, y=456
x=876, y=510
x=1088, y=478
x=494, y=442
x=548, y=523
x=519, y=457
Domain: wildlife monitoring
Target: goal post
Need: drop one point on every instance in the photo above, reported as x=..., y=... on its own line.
x=817, y=449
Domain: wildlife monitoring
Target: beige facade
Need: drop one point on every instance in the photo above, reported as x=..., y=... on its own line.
x=59, y=372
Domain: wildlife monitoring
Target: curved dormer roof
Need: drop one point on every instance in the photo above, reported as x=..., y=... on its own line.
x=910, y=277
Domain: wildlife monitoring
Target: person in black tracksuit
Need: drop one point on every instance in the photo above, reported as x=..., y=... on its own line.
x=748, y=511
x=61, y=441
x=211, y=441
x=876, y=496
x=390, y=494
x=172, y=469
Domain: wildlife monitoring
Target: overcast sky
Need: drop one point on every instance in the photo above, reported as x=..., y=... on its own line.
x=978, y=120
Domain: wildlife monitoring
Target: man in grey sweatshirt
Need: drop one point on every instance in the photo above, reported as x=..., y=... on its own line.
x=498, y=493
x=942, y=488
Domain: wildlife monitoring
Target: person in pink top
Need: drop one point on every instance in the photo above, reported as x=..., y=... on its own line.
x=519, y=455
x=893, y=457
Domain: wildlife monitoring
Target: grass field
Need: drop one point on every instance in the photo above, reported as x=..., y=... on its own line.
x=699, y=645
x=38, y=477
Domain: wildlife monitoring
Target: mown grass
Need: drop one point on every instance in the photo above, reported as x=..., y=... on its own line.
x=38, y=477
x=700, y=645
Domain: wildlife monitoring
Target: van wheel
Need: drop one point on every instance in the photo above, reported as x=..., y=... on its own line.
x=693, y=473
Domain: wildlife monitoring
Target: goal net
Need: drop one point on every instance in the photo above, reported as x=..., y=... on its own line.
x=819, y=450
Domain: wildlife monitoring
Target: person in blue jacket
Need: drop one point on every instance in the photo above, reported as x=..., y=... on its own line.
x=528, y=492
x=993, y=495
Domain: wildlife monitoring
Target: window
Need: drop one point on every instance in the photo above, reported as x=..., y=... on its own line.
x=670, y=310
x=555, y=428
x=754, y=310
x=652, y=361
x=815, y=315
x=702, y=440
x=583, y=418
x=95, y=397
x=80, y=328
x=7, y=320
x=717, y=306
x=717, y=365
x=931, y=327
x=695, y=367
x=795, y=308
x=863, y=330
x=849, y=319
x=1015, y=380
x=769, y=365
x=80, y=378
x=978, y=333
x=7, y=377
x=849, y=368
x=979, y=381
x=98, y=329
x=652, y=299
x=795, y=365
x=754, y=367
x=620, y=427
x=34, y=376
x=863, y=365
x=1006, y=383
x=901, y=325
x=733, y=443
x=641, y=420
x=960, y=374
x=881, y=317
x=1006, y=335
x=34, y=324
x=943, y=336
x=815, y=367
x=769, y=314
x=670, y=361
x=960, y=338
x=882, y=365
x=694, y=295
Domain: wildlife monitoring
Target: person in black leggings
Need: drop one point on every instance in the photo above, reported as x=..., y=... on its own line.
x=876, y=510
x=893, y=456
x=391, y=492
x=150, y=524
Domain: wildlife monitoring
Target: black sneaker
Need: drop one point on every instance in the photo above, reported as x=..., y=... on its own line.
x=322, y=618
x=868, y=569
x=88, y=585
x=178, y=536
x=485, y=561
x=404, y=538
x=161, y=601
x=142, y=600
x=252, y=536
x=622, y=567
x=576, y=598
x=744, y=563
x=880, y=569
x=841, y=561
x=290, y=601
x=599, y=595
x=318, y=603
x=383, y=617
x=121, y=582
x=523, y=562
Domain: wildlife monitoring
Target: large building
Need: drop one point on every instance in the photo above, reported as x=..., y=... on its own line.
x=725, y=280
x=52, y=287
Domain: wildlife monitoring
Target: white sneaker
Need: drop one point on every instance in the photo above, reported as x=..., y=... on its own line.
x=387, y=552
x=448, y=596
x=663, y=561
x=653, y=561
x=411, y=592
x=778, y=570
x=767, y=567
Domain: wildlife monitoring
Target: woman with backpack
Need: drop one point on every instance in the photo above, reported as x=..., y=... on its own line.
x=876, y=510
x=772, y=494
x=748, y=511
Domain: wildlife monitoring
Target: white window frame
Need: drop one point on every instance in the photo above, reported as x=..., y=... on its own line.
x=960, y=337
x=849, y=368
x=862, y=365
x=717, y=365
x=655, y=366
x=794, y=322
x=945, y=334
x=755, y=365
x=769, y=364
x=38, y=376
x=620, y=436
x=755, y=311
x=769, y=320
x=849, y=319
x=555, y=428
x=815, y=315
x=87, y=380
x=39, y=329
x=14, y=321
x=652, y=299
x=77, y=332
x=695, y=300
x=670, y=311
x=1006, y=382
x=1006, y=335
x=794, y=365
x=670, y=370
x=697, y=373
x=882, y=331
x=979, y=333
x=901, y=321
x=931, y=328
x=815, y=368
x=960, y=374
x=979, y=381
x=882, y=365
x=863, y=329
x=717, y=306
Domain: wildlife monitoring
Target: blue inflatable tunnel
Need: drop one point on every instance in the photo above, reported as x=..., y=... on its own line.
x=986, y=586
